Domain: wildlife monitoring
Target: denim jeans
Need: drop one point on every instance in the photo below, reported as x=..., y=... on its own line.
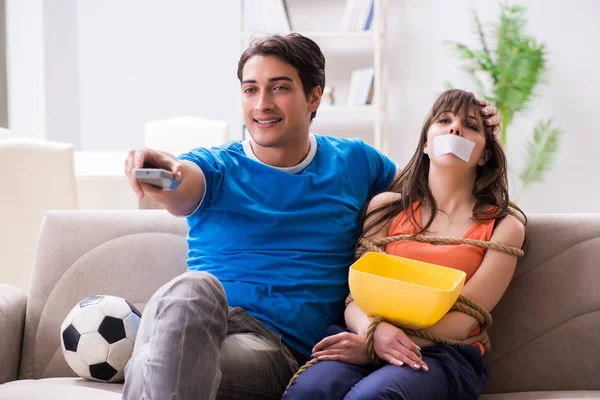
x=191, y=345
x=455, y=373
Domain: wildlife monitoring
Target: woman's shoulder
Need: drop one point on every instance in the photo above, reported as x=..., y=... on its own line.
x=383, y=199
x=510, y=230
x=376, y=224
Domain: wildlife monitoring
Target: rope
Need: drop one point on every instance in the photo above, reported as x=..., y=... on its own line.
x=303, y=368
x=371, y=354
x=373, y=358
x=376, y=245
x=463, y=304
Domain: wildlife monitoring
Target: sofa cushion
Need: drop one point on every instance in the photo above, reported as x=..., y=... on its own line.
x=60, y=389
x=567, y=395
x=128, y=254
x=13, y=303
x=545, y=331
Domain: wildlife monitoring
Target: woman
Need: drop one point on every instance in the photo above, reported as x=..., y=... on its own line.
x=455, y=185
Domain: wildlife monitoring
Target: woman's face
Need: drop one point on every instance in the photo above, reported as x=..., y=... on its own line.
x=468, y=127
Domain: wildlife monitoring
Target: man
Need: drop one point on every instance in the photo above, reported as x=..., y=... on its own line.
x=273, y=224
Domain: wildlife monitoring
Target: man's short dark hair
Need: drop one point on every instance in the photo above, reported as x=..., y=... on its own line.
x=299, y=51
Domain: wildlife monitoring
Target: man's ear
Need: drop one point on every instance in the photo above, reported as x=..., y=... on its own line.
x=485, y=156
x=314, y=98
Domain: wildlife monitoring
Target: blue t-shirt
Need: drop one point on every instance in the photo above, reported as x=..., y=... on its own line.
x=281, y=241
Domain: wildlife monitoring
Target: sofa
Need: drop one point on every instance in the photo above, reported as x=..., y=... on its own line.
x=545, y=336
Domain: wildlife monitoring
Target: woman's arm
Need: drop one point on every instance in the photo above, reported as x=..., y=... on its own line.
x=356, y=320
x=488, y=284
x=392, y=345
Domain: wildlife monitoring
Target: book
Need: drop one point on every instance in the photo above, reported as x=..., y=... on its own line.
x=357, y=15
x=266, y=16
x=364, y=86
x=367, y=16
x=277, y=18
x=350, y=15
x=371, y=92
x=355, y=77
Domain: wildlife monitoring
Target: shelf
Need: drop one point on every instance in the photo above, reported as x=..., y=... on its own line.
x=346, y=109
x=335, y=118
x=320, y=34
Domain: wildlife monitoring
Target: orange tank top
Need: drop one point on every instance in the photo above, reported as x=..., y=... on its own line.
x=463, y=257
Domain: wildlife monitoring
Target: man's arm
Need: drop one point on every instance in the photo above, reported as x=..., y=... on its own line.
x=181, y=201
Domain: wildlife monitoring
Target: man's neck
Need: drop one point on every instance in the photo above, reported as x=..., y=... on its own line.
x=288, y=156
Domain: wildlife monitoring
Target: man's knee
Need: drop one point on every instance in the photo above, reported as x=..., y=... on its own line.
x=191, y=292
x=254, y=363
x=195, y=283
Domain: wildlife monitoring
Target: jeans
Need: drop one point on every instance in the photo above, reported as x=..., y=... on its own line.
x=455, y=373
x=191, y=345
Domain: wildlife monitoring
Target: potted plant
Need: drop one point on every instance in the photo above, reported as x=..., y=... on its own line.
x=506, y=72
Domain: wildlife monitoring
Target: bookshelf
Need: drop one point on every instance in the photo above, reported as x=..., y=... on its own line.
x=347, y=47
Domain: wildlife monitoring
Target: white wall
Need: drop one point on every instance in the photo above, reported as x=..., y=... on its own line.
x=92, y=73
x=143, y=60
x=25, y=67
x=42, y=76
x=61, y=67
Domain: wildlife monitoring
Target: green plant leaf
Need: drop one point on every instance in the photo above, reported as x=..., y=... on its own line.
x=515, y=63
x=521, y=62
x=541, y=152
x=480, y=88
x=464, y=53
x=485, y=54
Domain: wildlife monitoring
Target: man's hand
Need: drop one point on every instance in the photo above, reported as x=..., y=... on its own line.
x=157, y=159
x=345, y=346
x=392, y=345
x=490, y=115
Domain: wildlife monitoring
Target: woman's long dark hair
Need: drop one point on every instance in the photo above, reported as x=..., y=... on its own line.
x=491, y=182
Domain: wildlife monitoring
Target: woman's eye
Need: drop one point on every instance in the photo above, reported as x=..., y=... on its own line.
x=475, y=128
x=444, y=120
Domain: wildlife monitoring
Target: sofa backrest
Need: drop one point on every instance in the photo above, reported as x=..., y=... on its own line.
x=545, y=331
x=85, y=253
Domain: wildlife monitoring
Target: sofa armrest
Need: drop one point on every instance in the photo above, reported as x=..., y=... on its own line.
x=13, y=303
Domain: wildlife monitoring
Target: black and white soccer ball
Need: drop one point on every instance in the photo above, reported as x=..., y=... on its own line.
x=97, y=337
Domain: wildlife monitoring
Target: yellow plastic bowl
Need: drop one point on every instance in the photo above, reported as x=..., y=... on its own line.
x=409, y=293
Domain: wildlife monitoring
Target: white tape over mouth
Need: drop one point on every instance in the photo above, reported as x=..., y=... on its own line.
x=459, y=146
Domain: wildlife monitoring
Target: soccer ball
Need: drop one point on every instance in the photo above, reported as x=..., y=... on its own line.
x=97, y=337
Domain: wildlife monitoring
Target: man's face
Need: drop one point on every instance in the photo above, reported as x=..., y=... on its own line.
x=276, y=111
